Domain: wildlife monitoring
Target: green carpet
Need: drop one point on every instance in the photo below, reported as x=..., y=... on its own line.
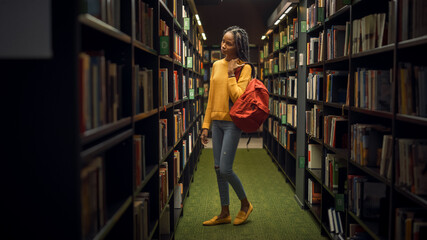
x=276, y=213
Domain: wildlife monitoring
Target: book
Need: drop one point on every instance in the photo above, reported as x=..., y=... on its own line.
x=163, y=137
x=164, y=45
x=373, y=192
x=314, y=156
x=142, y=208
x=92, y=197
x=164, y=223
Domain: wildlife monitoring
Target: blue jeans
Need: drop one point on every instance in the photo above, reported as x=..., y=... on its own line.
x=225, y=138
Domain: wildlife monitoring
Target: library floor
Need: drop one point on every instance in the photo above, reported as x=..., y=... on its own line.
x=276, y=214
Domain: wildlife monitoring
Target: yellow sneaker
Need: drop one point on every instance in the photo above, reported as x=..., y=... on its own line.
x=216, y=221
x=243, y=216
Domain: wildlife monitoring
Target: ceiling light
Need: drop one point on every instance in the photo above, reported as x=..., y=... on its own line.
x=277, y=22
x=197, y=17
x=198, y=22
x=263, y=37
x=204, y=36
x=289, y=9
x=283, y=15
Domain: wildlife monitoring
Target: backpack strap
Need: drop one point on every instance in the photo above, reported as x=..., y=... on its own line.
x=247, y=144
x=238, y=70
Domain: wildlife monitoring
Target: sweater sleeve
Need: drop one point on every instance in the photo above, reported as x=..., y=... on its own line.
x=207, y=120
x=237, y=88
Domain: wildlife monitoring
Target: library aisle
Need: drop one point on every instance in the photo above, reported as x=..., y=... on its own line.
x=276, y=214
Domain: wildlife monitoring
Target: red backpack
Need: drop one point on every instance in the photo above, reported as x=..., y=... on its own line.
x=251, y=109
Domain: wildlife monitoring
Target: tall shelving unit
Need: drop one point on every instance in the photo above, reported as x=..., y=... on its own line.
x=88, y=104
x=365, y=87
x=280, y=76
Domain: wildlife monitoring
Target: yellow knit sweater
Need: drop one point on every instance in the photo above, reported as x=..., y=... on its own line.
x=221, y=89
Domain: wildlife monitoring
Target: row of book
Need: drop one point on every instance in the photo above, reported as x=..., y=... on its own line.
x=337, y=41
x=100, y=90
x=315, y=49
x=285, y=36
x=164, y=86
x=285, y=61
x=337, y=86
x=286, y=112
x=313, y=119
x=335, y=222
x=411, y=164
x=284, y=86
x=178, y=46
x=413, y=19
x=333, y=6
x=367, y=199
x=141, y=214
x=287, y=138
x=144, y=30
x=372, y=89
x=179, y=117
x=367, y=144
x=164, y=183
x=93, y=198
x=265, y=52
x=334, y=167
x=284, y=135
x=335, y=131
x=315, y=13
x=143, y=89
x=107, y=11
x=314, y=192
x=163, y=137
x=335, y=172
x=411, y=223
x=315, y=84
x=139, y=158
x=412, y=86
x=368, y=32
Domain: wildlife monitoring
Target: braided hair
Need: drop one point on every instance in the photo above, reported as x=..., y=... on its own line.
x=242, y=44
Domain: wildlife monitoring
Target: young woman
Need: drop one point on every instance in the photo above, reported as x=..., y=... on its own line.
x=224, y=90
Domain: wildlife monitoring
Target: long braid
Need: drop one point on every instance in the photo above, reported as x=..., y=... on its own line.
x=242, y=43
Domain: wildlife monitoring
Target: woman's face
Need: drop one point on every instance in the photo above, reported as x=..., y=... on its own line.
x=228, y=45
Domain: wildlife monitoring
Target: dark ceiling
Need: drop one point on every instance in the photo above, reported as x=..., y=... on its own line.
x=252, y=15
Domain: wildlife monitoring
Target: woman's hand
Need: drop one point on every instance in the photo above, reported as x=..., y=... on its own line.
x=232, y=65
x=204, y=136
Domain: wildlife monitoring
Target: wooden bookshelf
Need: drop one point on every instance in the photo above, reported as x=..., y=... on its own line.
x=80, y=113
x=380, y=58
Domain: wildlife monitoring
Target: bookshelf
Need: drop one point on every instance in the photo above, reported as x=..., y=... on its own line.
x=111, y=140
x=362, y=107
x=280, y=75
